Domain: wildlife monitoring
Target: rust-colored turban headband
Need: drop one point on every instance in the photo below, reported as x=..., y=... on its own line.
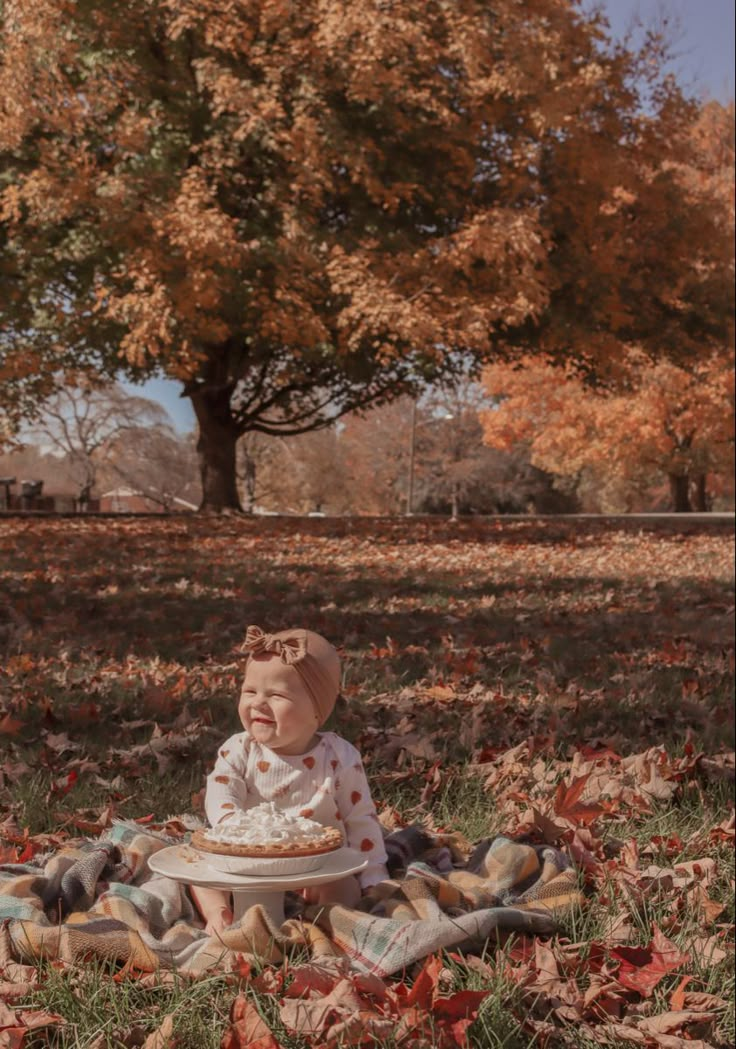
x=311, y=655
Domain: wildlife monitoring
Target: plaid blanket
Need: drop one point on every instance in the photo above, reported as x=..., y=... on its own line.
x=99, y=898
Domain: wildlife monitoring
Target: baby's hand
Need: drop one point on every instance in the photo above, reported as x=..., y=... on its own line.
x=219, y=921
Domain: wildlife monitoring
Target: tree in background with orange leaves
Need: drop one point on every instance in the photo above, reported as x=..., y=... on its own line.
x=671, y=424
x=298, y=210
x=645, y=418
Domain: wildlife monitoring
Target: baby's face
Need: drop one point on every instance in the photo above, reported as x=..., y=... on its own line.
x=275, y=707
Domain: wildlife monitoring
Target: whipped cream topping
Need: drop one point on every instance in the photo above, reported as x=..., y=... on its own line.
x=264, y=824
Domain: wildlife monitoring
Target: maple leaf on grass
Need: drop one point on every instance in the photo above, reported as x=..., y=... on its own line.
x=311, y=1016
x=449, y=1016
x=568, y=805
x=672, y=1022
x=642, y=968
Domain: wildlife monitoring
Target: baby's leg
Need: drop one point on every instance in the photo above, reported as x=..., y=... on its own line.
x=345, y=891
x=215, y=907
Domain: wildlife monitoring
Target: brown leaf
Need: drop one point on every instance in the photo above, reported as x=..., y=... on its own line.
x=10, y=726
x=708, y=950
x=615, y=1033
x=14, y=990
x=699, y=900
x=162, y=1037
x=667, y=1023
x=310, y=1016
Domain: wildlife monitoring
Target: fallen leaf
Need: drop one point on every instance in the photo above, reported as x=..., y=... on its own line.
x=667, y=1023
x=10, y=726
x=248, y=1029
x=311, y=1016
x=708, y=950
x=161, y=1038
x=641, y=968
x=568, y=805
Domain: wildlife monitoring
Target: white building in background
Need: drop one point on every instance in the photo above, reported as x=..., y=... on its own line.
x=124, y=500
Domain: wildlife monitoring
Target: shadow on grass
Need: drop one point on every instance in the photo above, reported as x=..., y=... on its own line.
x=653, y=656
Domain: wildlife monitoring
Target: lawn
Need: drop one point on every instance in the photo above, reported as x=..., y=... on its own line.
x=568, y=679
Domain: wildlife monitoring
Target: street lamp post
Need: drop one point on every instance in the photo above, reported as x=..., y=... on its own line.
x=412, y=449
x=454, y=493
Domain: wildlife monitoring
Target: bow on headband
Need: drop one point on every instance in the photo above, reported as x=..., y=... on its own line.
x=291, y=648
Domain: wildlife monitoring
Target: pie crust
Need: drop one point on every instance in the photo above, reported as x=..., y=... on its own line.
x=329, y=840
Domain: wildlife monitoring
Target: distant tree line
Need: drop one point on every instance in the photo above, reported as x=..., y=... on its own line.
x=524, y=442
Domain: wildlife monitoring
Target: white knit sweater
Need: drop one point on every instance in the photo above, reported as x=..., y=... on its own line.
x=328, y=785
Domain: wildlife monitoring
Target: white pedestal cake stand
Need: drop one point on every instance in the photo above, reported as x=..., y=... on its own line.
x=184, y=863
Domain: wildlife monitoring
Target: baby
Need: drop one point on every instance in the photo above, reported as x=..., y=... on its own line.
x=292, y=680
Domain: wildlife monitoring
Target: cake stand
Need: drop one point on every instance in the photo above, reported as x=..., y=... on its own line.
x=184, y=863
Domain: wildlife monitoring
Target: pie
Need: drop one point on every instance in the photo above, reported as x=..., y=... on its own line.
x=266, y=840
x=329, y=840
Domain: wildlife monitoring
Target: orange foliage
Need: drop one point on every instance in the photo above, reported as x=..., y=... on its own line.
x=295, y=206
x=670, y=421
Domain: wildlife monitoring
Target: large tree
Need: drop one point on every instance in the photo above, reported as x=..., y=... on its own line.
x=300, y=209
x=672, y=417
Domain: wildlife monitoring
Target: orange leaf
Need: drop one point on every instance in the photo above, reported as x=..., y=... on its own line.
x=10, y=726
x=677, y=1000
x=248, y=1029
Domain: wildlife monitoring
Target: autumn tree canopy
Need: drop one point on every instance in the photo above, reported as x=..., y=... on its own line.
x=673, y=417
x=668, y=423
x=298, y=210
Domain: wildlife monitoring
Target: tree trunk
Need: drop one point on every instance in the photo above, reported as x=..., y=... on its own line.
x=249, y=479
x=216, y=446
x=700, y=494
x=454, y=501
x=679, y=491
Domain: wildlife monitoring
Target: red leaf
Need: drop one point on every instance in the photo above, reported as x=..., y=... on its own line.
x=459, y=1006
x=13, y=1037
x=29, y=851
x=460, y=1031
x=66, y=785
x=423, y=991
x=641, y=968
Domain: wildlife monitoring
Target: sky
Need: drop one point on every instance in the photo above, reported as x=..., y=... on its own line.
x=702, y=34
x=703, y=38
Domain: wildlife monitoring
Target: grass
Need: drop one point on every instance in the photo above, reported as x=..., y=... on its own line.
x=102, y=1011
x=457, y=641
